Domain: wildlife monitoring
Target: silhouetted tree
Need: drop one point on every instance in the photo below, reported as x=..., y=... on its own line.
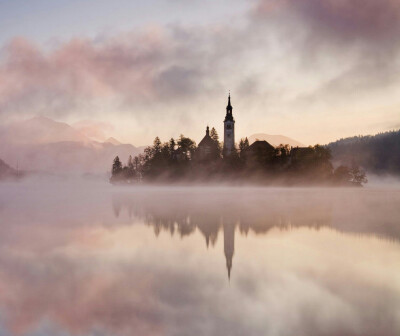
x=341, y=175
x=116, y=167
x=217, y=150
x=243, y=145
x=378, y=153
x=172, y=160
x=171, y=146
x=186, y=146
x=157, y=145
x=357, y=176
x=214, y=135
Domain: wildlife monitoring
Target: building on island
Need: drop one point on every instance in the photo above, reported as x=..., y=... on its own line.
x=259, y=152
x=207, y=148
x=229, y=130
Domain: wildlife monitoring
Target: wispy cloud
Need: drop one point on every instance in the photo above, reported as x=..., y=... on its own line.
x=278, y=51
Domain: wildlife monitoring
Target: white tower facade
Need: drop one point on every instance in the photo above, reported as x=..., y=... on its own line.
x=229, y=130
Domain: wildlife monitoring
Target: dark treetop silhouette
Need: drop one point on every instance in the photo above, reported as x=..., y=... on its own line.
x=182, y=160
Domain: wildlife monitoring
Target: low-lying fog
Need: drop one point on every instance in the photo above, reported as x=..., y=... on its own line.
x=87, y=258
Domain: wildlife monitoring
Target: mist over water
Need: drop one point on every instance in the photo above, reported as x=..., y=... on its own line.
x=86, y=258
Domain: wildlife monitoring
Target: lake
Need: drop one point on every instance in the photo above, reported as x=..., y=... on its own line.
x=91, y=259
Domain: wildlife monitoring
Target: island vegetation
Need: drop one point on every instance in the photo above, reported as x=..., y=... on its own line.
x=179, y=160
x=378, y=154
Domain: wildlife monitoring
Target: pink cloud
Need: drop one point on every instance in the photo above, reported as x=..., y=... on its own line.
x=95, y=130
x=125, y=66
x=371, y=20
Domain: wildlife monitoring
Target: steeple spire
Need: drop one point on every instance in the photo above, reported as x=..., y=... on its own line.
x=229, y=107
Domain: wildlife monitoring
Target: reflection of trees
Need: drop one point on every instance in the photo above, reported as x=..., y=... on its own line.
x=183, y=213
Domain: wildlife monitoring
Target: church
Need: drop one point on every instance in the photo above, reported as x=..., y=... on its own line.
x=206, y=147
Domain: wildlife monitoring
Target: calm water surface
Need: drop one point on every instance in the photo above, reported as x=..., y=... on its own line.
x=90, y=259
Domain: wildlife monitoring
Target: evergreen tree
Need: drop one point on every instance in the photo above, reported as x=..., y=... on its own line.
x=130, y=162
x=243, y=145
x=217, y=150
x=116, y=167
x=157, y=145
x=214, y=135
x=171, y=145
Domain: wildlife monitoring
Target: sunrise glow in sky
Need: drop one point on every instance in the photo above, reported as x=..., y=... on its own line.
x=312, y=70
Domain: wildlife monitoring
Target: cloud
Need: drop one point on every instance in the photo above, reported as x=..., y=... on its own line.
x=161, y=64
x=348, y=21
x=355, y=41
x=79, y=70
x=96, y=130
x=167, y=75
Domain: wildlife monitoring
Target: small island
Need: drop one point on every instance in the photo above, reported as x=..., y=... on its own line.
x=211, y=161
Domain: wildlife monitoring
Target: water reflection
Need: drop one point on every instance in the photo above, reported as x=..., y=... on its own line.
x=89, y=260
x=212, y=211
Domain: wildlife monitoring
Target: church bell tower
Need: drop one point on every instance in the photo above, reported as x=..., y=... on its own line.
x=229, y=130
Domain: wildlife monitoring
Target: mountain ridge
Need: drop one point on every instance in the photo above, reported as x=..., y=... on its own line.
x=275, y=140
x=42, y=144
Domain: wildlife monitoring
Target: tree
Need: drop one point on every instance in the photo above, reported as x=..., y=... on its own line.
x=116, y=167
x=243, y=145
x=129, y=170
x=157, y=145
x=281, y=156
x=187, y=146
x=342, y=175
x=130, y=162
x=171, y=146
x=214, y=135
x=217, y=149
x=357, y=176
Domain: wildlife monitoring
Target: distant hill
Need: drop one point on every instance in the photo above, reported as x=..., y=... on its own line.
x=113, y=141
x=40, y=130
x=42, y=144
x=275, y=140
x=375, y=153
x=7, y=172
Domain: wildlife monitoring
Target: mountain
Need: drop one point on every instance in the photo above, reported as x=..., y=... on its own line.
x=42, y=144
x=6, y=172
x=113, y=141
x=378, y=154
x=275, y=140
x=40, y=130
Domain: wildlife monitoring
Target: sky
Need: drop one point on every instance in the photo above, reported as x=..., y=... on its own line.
x=313, y=70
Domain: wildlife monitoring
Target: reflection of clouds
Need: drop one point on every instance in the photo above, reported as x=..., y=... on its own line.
x=87, y=272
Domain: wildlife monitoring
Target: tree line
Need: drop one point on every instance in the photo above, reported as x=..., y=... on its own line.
x=378, y=153
x=178, y=160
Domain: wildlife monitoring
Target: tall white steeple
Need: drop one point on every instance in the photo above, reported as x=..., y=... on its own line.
x=229, y=129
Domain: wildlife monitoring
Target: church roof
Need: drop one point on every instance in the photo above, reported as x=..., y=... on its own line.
x=260, y=145
x=207, y=140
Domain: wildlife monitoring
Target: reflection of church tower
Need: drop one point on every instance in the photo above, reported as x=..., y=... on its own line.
x=229, y=129
x=229, y=245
